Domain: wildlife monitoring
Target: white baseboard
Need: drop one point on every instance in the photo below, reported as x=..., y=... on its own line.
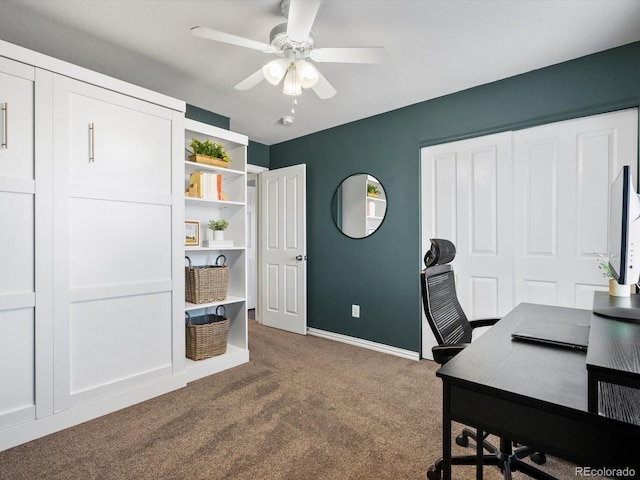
x=359, y=342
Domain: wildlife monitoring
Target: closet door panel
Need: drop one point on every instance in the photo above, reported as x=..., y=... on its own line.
x=16, y=242
x=563, y=172
x=17, y=366
x=117, y=343
x=16, y=120
x=462, y=202
x=118, y=242
x=117, y=142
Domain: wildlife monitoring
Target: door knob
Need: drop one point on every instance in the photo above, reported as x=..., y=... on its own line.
x=300, y=258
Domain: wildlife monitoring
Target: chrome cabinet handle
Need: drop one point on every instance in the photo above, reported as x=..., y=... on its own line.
x=92, y=143
x=5, y=138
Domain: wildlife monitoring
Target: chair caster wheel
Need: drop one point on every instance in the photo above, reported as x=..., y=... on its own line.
x=538, y=458
x=462, y=440
x=433, y=474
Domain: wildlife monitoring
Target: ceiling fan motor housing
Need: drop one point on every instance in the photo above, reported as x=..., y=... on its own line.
x=279, y=39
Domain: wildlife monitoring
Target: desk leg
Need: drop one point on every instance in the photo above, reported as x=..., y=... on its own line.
x=446, y=432
x=592, y=393
x=479, y=453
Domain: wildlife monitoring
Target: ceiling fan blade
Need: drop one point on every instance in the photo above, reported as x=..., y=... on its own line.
x=350, y=55
x=251, y=81
x=323, y=88
x=210, y=34
x=302, y=14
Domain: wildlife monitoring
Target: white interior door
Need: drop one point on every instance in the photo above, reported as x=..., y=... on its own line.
x=283, y=248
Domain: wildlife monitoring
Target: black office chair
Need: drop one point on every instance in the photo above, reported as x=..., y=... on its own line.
x=453, y=333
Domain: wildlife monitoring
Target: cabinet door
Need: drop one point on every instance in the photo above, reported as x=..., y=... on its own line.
x=17, y=276
x=16, y=120
x=116, y=141
x=113, y=209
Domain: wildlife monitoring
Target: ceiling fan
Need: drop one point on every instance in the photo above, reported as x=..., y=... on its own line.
x=293, y=42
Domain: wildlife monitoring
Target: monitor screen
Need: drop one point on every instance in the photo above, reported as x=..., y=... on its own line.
x=624, y=208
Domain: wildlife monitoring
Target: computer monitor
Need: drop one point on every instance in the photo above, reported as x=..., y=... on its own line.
x=624, y=239
x=624, y=229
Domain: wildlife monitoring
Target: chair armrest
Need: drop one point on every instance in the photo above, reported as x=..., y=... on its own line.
x=443, y=353
x=483, y=322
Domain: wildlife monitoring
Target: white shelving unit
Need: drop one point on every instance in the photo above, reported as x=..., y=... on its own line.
x=233, y=209
x=376, y=207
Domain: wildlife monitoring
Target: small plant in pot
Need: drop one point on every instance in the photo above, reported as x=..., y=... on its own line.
x=372, y=190
x=218, y=227
x=211, y=150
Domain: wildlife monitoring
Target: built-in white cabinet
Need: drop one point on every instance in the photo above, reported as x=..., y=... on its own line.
x=114, y=216
x=230, y=206
x=91, y=245
x=17, y=244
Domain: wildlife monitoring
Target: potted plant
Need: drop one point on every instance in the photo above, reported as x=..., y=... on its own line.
x=372, y=190
x=615, y=289
x=209, y=153
x=218, y=227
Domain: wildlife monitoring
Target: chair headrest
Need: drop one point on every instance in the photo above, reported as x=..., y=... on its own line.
x=441, y=252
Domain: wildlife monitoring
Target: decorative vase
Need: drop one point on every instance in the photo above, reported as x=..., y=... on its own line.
x=218, y=235
x=617, y=290
x=209, y=235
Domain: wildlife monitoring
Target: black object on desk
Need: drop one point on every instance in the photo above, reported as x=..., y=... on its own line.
x=566, y=335
x=614, y=361
x=620, y=308
x=533, y=394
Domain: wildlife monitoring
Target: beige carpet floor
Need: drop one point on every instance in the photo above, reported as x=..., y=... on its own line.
x=302, y=408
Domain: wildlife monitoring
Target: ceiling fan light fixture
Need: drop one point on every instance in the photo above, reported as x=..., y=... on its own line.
x=292, y=85
x=275, y=70
x=307, y=74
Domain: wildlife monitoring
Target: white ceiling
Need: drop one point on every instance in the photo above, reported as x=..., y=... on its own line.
x=436, y=47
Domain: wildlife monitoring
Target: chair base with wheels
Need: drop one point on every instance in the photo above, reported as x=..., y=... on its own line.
x=505, y=458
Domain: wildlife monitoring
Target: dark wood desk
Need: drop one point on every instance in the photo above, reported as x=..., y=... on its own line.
x=613, y=363
x=533, y=394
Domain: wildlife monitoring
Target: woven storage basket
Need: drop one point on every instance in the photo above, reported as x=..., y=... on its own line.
x=208, y=283
x=206, y=335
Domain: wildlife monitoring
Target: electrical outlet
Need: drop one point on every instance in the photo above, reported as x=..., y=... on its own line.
x=355, y=311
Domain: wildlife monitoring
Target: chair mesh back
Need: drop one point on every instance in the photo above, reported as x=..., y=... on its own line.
x=445, y=315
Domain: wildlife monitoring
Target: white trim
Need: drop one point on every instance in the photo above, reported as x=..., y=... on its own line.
x=359, y=342
x=256, y=168
x=55, y=65
x=211, y=130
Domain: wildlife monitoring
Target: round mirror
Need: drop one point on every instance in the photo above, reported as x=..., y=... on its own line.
x=359, y=205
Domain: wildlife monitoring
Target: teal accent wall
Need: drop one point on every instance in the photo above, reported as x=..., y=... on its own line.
x=258, y=154
x=381, y=272
x=205, y=116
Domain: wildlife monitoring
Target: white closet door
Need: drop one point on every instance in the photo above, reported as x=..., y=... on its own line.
x=17, y=244
x=562, y=176
x=529, y=235
x=466, y=196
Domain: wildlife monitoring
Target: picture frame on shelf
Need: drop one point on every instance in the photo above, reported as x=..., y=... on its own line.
x=191, y=233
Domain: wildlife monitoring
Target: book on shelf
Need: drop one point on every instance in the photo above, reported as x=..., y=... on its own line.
x=217, y=243
x=371, y=210
x=207, y=186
